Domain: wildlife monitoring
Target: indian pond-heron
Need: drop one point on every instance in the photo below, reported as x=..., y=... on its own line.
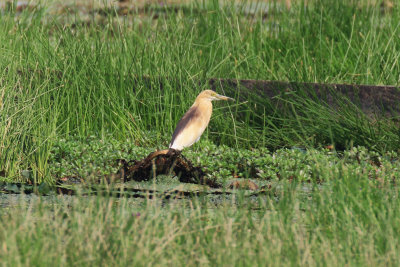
x=195, y=120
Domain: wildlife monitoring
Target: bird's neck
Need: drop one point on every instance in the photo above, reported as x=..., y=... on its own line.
x=203, y=103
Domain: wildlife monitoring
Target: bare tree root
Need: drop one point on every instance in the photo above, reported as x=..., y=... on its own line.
x=167, y=162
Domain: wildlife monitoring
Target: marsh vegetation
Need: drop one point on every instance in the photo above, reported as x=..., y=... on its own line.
x=83, y=85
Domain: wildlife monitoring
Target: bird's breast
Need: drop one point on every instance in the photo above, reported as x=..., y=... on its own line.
x=205, y=111
x=192, y=125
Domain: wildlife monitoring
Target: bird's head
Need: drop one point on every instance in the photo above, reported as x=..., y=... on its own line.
x=211, y=95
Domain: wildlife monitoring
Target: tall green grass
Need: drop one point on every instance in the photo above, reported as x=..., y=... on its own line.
x=351, y=221
x=134, y=78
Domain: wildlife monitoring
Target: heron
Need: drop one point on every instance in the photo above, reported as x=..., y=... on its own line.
x=192, y=125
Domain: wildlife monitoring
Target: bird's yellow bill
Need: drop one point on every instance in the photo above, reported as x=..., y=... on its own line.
x=222, y=97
